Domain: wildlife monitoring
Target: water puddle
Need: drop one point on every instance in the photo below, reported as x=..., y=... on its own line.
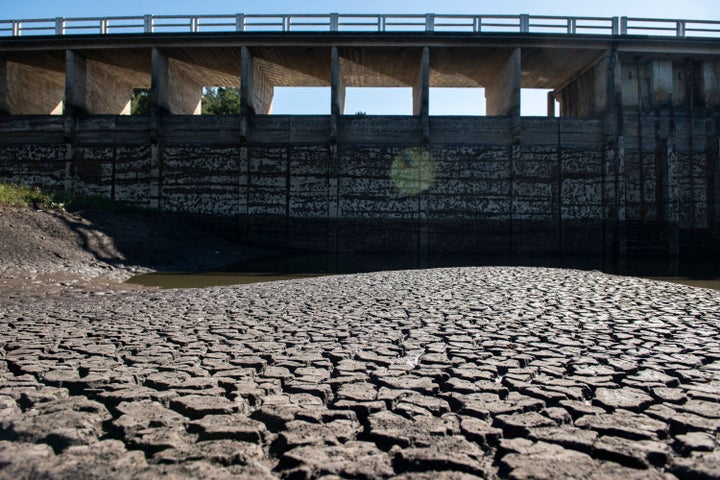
x=693, y=272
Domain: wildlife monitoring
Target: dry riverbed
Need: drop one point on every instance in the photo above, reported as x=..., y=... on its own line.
x=454, y=373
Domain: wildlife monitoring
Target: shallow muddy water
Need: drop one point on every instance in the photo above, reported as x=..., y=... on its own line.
x=694, y=271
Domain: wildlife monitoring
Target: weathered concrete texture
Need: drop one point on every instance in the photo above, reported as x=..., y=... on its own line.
x=496, y=183
x=15, y=98
x=101, y=88
x=451, y=373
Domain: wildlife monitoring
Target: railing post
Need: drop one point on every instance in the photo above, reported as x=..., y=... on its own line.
x=194, y=24
x=623, y=25
x=572, y=25
x=17, y=27
x=104, y=24
x=240, y=22
x=680, y=28
x=286, y=23
x=59, y=26
x=477, y=24
x=524, y=23
x=615, y=26
x=334, y=22
x=381, y=23
x=148, y=24
x=429, y=22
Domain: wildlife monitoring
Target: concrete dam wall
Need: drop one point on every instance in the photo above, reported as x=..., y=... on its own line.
x=631, y=165
x=475, y=185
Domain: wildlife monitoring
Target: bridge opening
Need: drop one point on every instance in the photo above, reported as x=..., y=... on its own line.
x=301, y=101
x=457, y=101
x=379, y=101
x=534, y=103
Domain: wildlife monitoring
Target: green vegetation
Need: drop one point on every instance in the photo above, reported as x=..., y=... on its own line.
x=215, y=101
x=140, y=102
x=23, y=196
x=221, y=101
x=20, y=196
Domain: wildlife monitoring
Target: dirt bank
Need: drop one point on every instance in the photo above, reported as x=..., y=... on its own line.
x=44, y=252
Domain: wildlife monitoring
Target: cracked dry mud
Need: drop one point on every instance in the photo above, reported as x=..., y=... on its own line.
x=436, y=374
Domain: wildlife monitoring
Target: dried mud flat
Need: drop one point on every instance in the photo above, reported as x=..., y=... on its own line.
x=492, y=372
x=440, y=374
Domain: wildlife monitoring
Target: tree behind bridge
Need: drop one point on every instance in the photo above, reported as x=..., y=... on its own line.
x=215, y=101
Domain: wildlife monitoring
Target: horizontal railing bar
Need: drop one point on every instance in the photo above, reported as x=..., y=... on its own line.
x=304, y=22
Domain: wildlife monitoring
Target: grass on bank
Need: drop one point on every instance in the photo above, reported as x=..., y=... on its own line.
x=16, y=196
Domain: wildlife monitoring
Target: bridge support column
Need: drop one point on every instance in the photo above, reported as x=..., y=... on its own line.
x=93, y=87
x=337, y=84
x=421, y=89
x=661, y=83
x=256, y=91
x=421, y=94
x=503, y=95
x=710, y=83
x=648, y=84
x=27, y=90
x=337, y=92
x=174, y=89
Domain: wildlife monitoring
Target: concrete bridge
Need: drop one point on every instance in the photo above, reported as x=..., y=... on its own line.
x=630, y=164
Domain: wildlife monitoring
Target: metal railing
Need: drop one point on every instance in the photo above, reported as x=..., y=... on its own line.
x=335, y=22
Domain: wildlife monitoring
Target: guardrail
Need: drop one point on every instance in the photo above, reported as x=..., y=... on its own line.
x=335, y=22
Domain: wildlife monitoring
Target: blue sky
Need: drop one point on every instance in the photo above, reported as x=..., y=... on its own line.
x=372, y=101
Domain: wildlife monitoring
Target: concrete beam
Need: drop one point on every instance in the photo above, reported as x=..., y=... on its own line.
x=503, y=94
x=93, y=87
x=174, y=89
x=256, y=91
x=421, y=89
x=337, y=84
x=28, y=90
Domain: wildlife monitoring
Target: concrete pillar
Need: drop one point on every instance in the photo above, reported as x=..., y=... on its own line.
x=709, y=83
x=503, y=95
x=421, y=89
x=661, y=83
x=648, y=83
x=256, y=91
x=551, y=104
x=97, y=88
x=174, y=89
x=631, y=80
x=75, y=84
x=337, y=84
x=27, y=90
